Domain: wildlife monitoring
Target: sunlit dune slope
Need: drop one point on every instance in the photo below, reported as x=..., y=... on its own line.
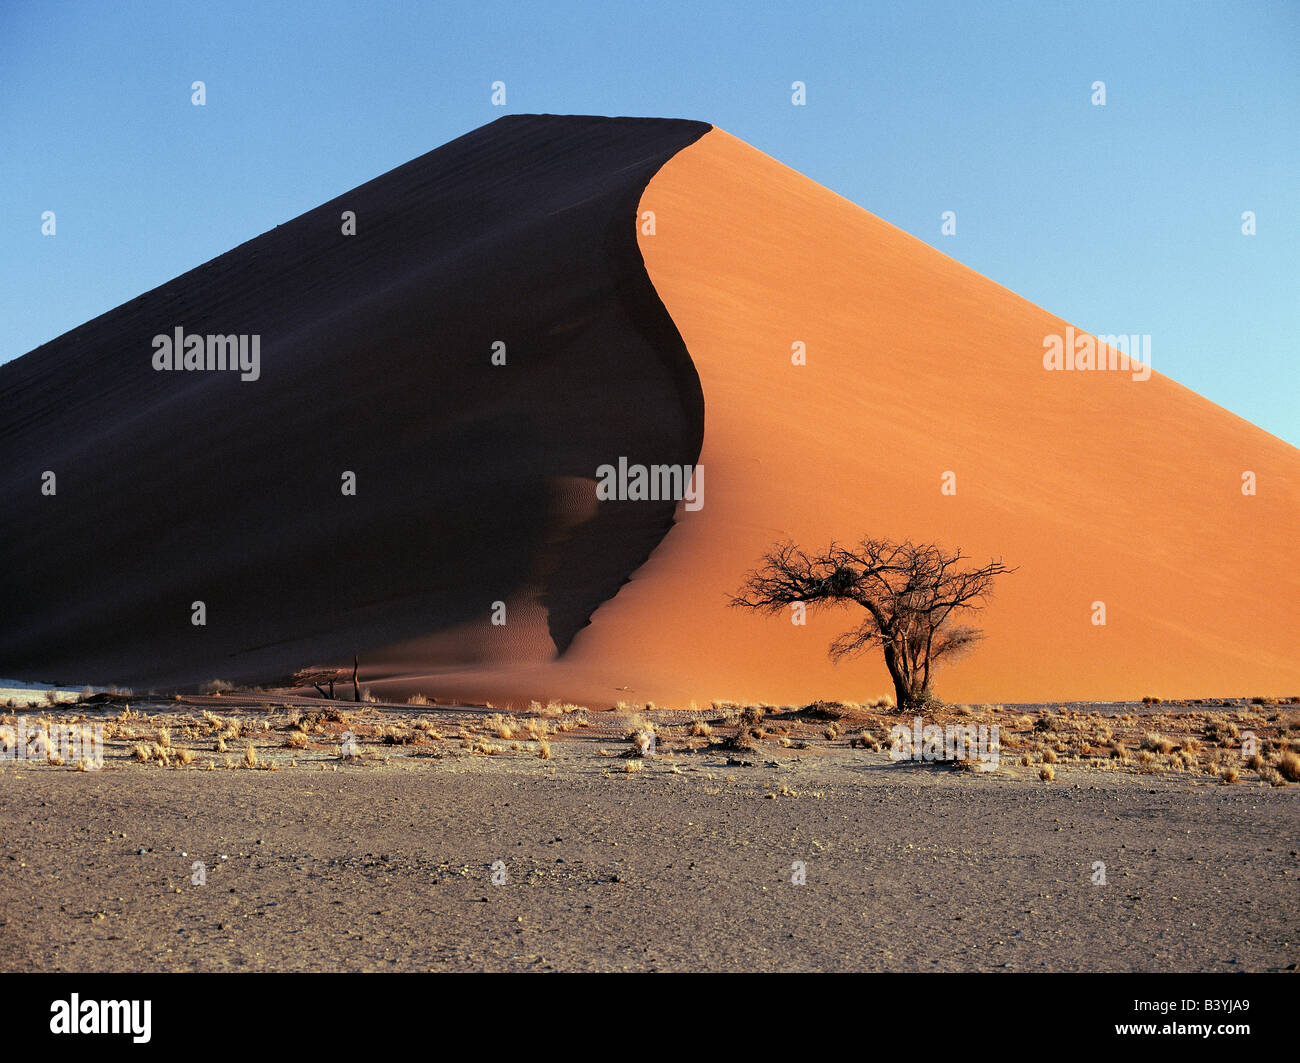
x=1100, y=487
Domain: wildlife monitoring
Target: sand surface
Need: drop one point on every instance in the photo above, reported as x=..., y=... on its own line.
x=385, y=861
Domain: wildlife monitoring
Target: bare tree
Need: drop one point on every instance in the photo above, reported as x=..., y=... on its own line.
x=912, y=595
x=315, y=677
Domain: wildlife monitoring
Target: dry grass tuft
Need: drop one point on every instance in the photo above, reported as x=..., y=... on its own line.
x=1157, y=743
x=866, y=740
x=1288, y=766
x=552, y=709
x=1047, y=773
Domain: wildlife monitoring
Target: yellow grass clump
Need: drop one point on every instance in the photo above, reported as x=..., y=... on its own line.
x=1288, y=766
x=1157, y=743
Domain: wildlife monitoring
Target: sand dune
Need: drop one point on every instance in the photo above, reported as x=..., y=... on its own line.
x=476, y=484
x=375, y=358
x=1101, y=487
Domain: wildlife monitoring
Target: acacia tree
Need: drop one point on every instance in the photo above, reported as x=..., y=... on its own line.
x=913, y=596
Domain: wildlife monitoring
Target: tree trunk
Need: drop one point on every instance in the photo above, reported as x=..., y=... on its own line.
x=911, y=689
x=356, y=687
x=898, y=673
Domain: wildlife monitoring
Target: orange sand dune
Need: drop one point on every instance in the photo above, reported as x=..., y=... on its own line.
x=1100, y=487
x=478, y=483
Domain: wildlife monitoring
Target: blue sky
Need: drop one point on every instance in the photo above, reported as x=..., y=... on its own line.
x=1122, y=219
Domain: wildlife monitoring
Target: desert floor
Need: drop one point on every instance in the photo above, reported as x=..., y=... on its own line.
x=318, y=855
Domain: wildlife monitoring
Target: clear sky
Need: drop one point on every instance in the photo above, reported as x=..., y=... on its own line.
x=1123, y=218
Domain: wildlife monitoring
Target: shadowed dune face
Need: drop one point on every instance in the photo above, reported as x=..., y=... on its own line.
x=474, y=482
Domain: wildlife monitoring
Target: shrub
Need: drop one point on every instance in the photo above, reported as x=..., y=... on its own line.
x=1288, y=767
